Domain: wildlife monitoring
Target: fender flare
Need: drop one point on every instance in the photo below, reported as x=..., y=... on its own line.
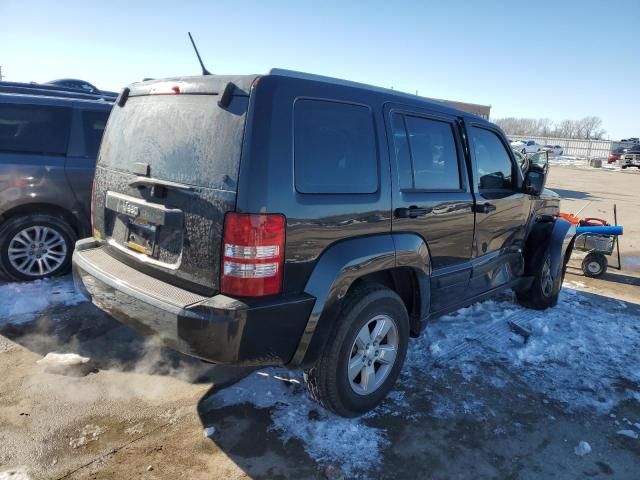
x=343, y=263
x=561, y=243
x=558, y=237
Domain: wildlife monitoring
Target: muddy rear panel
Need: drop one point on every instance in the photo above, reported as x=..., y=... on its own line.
x=167, y=174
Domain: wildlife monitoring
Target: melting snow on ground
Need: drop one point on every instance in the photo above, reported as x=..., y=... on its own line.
x=19, y=302
x=578, y=354
x=327, y=438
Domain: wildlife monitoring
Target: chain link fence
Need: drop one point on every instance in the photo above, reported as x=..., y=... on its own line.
x=587, y=149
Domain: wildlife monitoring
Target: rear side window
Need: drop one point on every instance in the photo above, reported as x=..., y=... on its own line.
x=34, y=129
x=433, y=149
x=93, y=123
x=334, y=148
x=426, y=153
x=493, y=165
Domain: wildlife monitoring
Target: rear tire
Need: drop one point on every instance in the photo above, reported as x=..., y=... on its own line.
x=358, y=368
x=594, y=265
x=545, y=289
x=35, y=246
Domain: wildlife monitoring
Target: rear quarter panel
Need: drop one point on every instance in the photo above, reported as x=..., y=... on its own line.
x=34, y=179
x=267, y=184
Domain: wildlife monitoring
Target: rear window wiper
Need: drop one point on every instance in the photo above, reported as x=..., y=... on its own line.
x=154, y=182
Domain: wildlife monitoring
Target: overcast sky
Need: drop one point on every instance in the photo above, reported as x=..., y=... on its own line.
x=555, y=59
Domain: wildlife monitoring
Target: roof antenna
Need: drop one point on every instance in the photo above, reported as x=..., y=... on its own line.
x=204, y=69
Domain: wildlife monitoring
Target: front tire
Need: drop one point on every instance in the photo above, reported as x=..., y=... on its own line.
x=35, y=246
x=365, y=354
x=545, y=289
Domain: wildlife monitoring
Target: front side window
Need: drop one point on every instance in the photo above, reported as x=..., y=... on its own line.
x=494, y=168
x=34, y=129
x=334, y=148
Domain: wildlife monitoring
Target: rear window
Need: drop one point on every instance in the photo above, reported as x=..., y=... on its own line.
x=334, y=148
x=93, y=123
x=183, y=138
x=34, y=129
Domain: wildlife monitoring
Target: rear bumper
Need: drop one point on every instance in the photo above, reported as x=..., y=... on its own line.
x=218, y=329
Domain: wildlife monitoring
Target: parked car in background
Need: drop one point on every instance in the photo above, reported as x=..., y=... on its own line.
x=299, y=220
x=555, y=150
x=48, y=150
x=616, y=154
x=531, y=146
x=57, y=90
x=80, y=85
x=618, y=149
x=631, y=157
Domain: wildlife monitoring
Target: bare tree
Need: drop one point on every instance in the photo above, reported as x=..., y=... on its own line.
x=587, y=127
x=590, y=128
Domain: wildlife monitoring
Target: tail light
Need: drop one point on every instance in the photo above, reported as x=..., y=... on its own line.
x=614, y=157
x=252, y=254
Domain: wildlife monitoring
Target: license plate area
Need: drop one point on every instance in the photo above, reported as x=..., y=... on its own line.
x=142, y=237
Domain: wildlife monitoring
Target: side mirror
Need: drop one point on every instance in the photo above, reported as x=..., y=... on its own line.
x=540, y=159
x=534, y=180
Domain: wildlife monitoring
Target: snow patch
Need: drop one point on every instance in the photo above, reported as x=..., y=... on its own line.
x=20, y=302
x=15, y=474
x=628, y=433
x=582, y=449
x=579, y=352
x=326, y=438
x=209, y=432
x=62, y=359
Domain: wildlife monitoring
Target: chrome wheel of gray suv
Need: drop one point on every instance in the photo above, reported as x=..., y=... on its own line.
x=35, y=246
x=37, y=251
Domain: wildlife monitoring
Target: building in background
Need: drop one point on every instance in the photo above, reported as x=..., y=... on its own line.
x=480, y=110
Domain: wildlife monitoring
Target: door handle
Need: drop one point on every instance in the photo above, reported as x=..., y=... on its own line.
x=484, y=208
x=411, y=212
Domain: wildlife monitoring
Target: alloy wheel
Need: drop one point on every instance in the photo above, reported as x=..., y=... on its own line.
x=372, y=354
x=547, y=279
x=37, y=251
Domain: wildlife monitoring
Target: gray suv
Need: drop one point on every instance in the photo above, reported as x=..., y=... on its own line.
x=48, y=150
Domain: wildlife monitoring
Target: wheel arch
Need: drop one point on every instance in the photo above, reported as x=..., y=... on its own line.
x=559, y=235
x=46, y=209
x=400, y=262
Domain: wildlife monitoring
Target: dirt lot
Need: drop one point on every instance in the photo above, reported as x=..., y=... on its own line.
x=474, y=401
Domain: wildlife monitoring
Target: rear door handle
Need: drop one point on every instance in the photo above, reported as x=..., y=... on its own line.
x=484, y=208
x=411, y=212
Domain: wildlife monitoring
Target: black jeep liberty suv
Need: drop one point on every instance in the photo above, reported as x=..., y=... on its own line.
x=298, y=220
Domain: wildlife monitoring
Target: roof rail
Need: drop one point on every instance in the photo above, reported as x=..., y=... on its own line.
x=446, y=104
x=52, y=91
